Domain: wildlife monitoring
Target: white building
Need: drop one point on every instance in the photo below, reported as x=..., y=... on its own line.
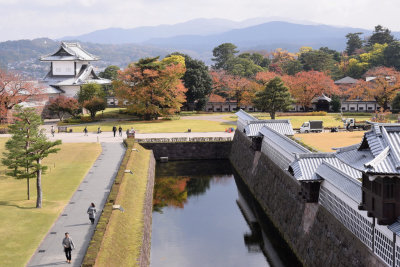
x=70, y=67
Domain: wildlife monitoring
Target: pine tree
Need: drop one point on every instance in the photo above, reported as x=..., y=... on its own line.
x=274, y=97
x=26, y=149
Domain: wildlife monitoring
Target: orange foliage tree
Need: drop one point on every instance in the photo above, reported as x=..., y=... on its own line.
x=14, y=89
x=152, y=88
x=383, y=86
x=235, y=87
x=306, y=85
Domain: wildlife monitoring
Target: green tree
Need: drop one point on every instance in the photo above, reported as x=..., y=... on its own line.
x=317, y=60
x=94, y=105
x=26, y=149
x=380, y=35
x=274, y=97
x=396, y=102
x=291, y=67
x=335, y=54
x=222, y=54
x=242, y=67
x=90, y=90
x=391, y=55
x=198, y=82
x=110, y=73
x=354, y=42
x=336, y=103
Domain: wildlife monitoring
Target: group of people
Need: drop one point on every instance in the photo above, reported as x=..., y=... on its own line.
x=68, y=243
x=114, y=129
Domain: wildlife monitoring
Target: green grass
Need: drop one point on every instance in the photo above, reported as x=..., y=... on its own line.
x=158, y=126
x=123, y=238
x=22, y=226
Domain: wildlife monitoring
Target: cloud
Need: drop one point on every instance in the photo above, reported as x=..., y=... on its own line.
x=29, y=19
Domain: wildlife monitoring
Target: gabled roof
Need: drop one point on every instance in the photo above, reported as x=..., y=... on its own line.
x=323, y=97
x=281, y=126
x=284, y=142
x=70, y=52
x=346, y=80
x=305, y=166
x=85, y=75
x=245, y=116
x=345, y=183
x=379, y=151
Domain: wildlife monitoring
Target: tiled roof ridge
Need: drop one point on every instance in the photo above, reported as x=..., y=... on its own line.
x=270, y=121
x=378, y=159
x=287, y=138
x=334, y=168
x=315, y=155
x=346, y=148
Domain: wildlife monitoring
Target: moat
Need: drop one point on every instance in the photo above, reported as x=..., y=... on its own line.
x=203, y=215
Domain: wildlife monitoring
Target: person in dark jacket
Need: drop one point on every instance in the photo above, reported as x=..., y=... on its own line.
x=92, y=212
x=68, y=245
x=85, y=130
x=120, y=130
x=114, y=129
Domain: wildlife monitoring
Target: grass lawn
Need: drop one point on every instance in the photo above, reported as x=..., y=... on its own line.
x=325, y=141
x=159, y=126
x=123, y=238
x=22, y=226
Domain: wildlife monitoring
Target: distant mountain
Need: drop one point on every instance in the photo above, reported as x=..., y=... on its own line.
x=267, y=36
x=194, y=27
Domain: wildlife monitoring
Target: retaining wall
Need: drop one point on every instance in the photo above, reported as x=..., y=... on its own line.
x=315, y=236
x=144, y=257
x=190, y=150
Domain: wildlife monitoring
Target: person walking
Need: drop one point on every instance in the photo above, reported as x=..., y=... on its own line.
x=68, y=245
x=52, y=130
x=99, y=130
x=85, y=131
x=120, y=130
x=114, y=129
x=92, y=212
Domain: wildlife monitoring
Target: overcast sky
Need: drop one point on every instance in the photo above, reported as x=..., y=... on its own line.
x=27, y=19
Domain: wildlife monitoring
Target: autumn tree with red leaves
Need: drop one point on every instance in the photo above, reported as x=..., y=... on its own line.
x=383, y=84
x=153, y=88
x=62, y=105
x=14, y=89
x=305, y=86
x=234, y=87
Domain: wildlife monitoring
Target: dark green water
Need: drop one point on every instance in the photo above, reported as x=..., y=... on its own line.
x=203, y=215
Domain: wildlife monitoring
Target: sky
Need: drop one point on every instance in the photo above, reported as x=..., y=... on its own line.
x=27, y=19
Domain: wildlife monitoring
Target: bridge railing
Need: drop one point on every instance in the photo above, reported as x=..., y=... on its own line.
x=184, y=139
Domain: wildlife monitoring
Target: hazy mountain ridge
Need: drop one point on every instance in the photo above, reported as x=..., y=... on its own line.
x=23, y=55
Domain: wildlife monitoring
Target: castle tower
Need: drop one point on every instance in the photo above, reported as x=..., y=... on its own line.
x=70, y=67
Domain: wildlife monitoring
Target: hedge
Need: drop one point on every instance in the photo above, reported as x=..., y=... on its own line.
x=95, y=243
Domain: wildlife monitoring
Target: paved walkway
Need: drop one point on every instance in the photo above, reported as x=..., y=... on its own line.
x=94, y=188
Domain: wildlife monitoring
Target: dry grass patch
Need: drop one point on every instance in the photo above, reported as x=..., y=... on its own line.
x=326, y=141
x=123, y=238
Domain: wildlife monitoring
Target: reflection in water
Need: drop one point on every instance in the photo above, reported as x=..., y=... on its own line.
x=197, y=222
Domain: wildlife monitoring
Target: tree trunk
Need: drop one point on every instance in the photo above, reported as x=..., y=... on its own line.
x=29, y=192
x=272, y=114
x=39, y=186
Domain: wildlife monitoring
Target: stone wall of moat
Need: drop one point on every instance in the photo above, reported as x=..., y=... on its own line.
x=144, y=256
x=315, y=236
x=190, y=150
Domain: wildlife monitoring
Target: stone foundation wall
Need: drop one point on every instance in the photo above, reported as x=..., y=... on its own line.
x=315, y=236
x=190, y=150
x=144, y=258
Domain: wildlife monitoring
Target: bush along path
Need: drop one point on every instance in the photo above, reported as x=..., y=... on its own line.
x=74, y=219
